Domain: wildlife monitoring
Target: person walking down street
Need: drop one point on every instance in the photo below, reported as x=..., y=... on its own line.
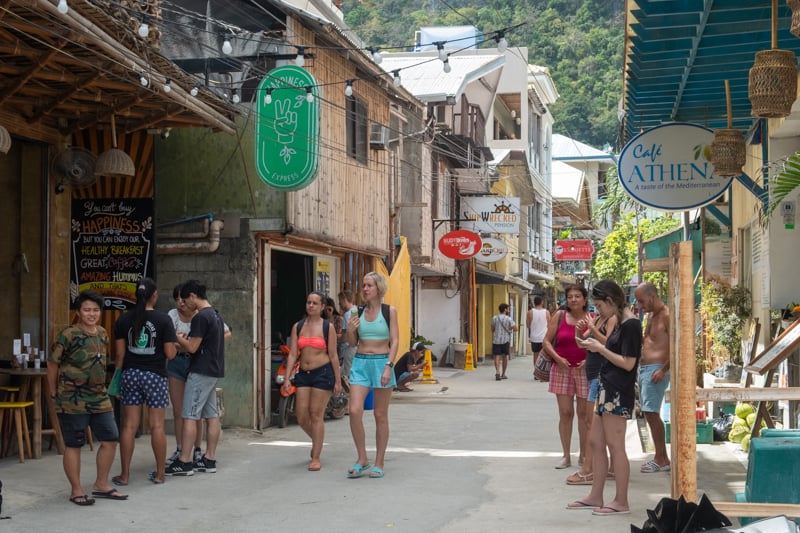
x=502, y=328
x=76, y=371
x=615, y=403
x=145, y=340
x=567, y=375
x=313, y=341
x=537, y=319
x=346, y=352
x=375, y=337
x=654, y=372
x=599, y=328
x=206, y=344
x=409, y=366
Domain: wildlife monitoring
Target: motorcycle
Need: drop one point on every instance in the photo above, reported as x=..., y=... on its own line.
x=337, y=404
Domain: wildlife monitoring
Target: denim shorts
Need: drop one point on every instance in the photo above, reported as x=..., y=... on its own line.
x=319, y=378
x=651, y=394
x=367, y=370
x=73, y=428
x=140, y=386
x=178, y=367
x=594, y=390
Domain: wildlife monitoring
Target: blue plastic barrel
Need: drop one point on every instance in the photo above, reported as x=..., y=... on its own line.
x=369, y=401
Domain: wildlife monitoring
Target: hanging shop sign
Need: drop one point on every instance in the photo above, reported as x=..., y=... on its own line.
x=112, y=248
x=573, y=250
x=460, y=244
x=287, y=128
x=669, y=167
x=490, y=214
x=492, y=250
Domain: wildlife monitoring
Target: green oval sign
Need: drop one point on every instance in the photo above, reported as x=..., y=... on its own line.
x=287, y=128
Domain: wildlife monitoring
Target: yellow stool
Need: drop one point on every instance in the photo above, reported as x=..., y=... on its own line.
x=8, y=393
x=20, y=424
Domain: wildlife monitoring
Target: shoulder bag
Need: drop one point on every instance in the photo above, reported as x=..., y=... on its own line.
x=543, y=363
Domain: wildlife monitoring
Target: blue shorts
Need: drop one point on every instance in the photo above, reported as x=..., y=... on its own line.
x=651, y=394
x=178, y=367
x=140, y=386
x=73, y=428
x=594, y=390
x=319, y=378
x=367, y=370
x=404, y=376
x=200, y=397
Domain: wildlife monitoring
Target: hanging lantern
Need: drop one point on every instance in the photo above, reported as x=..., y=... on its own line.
x=794, y=5
x=728, y=148
x=114, y=162
x=5, y=140
x=772, y=87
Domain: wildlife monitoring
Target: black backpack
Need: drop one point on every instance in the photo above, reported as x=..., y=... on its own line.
x=326, y=326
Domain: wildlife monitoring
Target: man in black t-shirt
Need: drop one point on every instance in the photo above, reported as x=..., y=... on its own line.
x=409, y=366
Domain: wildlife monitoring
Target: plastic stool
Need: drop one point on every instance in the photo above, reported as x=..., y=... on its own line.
x=20, y=424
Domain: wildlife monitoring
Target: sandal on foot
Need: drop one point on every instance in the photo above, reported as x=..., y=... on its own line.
x=117, y=480
x=152, y=477
x=564, y=463
x=606, y=510
x=314, y=466
x=579, y=505
x=112, y=494
x=651, y=466
x=82, y=500
x=357, y=470
x=376, y=472
x=580, y=479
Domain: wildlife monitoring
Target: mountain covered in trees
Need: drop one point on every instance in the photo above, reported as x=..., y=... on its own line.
x=580, y=41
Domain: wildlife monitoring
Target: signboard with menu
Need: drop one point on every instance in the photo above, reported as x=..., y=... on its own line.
x=112, y=248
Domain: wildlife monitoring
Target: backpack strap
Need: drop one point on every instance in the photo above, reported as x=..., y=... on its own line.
x=385, y=311
x=326, y=327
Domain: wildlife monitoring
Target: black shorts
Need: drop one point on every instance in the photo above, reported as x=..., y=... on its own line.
x=501, y=349
x=73, y=428
x=536, y=347
x=318, y=378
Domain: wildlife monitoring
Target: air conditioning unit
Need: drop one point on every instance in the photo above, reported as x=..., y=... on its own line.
x=378, y=136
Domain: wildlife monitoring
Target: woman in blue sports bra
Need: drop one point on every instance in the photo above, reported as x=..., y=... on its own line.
x=376, y=349
x=318, y=374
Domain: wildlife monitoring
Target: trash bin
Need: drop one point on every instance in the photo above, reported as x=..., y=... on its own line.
x=459, y=350
x=369, y=401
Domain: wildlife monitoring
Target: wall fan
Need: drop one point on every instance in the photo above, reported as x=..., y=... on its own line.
x=73, y=167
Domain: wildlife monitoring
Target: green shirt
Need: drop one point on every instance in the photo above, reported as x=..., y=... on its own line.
x=81, y=360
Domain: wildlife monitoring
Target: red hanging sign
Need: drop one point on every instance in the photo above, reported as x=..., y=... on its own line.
x=574, y=250
x=460, y=244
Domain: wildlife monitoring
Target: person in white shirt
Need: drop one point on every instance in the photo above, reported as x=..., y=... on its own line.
x=502, y=327
x=537, y=320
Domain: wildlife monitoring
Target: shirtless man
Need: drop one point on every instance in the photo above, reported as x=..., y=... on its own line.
x=654, y=371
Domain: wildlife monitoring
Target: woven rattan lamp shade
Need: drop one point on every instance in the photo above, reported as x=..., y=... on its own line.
x=114, y=162
x=5, y=140
x=794, y=5
x=773, y=83
x=728, y=152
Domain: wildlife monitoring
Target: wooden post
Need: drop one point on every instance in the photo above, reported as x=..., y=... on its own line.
x=683, y=376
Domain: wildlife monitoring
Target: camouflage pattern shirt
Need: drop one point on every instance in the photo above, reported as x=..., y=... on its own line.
x=81, y=360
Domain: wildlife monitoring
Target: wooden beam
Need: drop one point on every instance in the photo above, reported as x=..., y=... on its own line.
x=737, y=509
x=65, y=95
x=23, y=78
x=656, y=265
x=742, y=394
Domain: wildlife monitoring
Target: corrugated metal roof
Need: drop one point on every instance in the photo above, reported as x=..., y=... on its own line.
x=567, y=182
x=566, y=149
x=679, y=52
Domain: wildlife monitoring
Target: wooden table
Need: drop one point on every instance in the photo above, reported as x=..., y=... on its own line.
x=31, y=379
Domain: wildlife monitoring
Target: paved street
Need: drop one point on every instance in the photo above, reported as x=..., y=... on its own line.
x=478, y=457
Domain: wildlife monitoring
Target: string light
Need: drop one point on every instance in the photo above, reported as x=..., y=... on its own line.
x=268, y=97
x=396, y=78
x=227, y=47
x=236, y=98
x=167, y=85
x=62, y=7
x=309, y=95
x=502, y=44
x=143, y=80
x=144, y=28
x=442, y=53
x=300, y=60
x=447, y=68
x=348, y=91
x=376, y=55
x=194, y=90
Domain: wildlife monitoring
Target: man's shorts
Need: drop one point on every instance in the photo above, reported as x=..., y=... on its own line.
x=200, y=397
x=501, y=349
x=319, y=378
x=73, y=428
x=404, y=376
x=570, y=382
x=178, y=367
x=536, y=347
x=367, y=370
x=140, y=386
x=651, y=394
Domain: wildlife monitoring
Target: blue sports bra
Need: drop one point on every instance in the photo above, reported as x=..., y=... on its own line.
x=377, y=330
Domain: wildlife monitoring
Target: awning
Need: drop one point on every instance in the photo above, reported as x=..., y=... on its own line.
x=487, y=277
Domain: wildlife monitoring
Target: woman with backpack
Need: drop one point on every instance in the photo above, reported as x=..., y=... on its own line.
x=313, y=341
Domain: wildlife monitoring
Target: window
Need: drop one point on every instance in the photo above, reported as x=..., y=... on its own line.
x=357, y=133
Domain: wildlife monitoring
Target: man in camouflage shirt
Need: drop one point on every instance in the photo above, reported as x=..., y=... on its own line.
x=76, y=370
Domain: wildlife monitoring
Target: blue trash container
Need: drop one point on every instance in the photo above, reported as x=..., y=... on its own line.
x=369, y=401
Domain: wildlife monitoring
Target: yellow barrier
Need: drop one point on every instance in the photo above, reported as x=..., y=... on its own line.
x=427, y=371
x=468, y=364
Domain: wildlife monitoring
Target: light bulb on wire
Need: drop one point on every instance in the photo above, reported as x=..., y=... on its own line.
x=195, y=90
x=447, y=68
x=502, y=44
x=167, y=85
x=236, y=98
x=63, y=8
x=309, y=95
x=143, y=80
x=227, y=47
x=348, y=91
x=442, y=53
x=300, y=60
x=396, y=79
x=144, y=29
x=376, y=55
x=268, y=97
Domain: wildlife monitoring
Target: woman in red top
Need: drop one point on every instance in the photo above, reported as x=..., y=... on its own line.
x=318, y=375
x=567, y=375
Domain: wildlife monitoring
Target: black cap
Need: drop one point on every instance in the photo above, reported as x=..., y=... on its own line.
x=418, y=346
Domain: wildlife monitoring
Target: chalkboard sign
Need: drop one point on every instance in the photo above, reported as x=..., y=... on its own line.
x=112, y=248
x=777, y=351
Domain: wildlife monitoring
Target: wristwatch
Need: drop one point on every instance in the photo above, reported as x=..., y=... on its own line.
x=390, y=364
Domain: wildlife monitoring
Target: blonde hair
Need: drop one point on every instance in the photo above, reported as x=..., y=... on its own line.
x=380, y=282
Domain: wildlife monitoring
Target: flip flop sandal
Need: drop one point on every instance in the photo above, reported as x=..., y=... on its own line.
x=376, y=472
x=357, y=470
x=82, y=500
x=580, y=479
x=651, y=467
x=116, y=480
x=152, y=477
x=580, y=505
x=112, y=494
x=606, y=511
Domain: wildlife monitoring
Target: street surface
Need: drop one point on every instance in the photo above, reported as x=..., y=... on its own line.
x=477, y=457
